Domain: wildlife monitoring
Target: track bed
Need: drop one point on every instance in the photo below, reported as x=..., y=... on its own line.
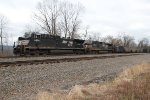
x=54, y=59
x=24, y=81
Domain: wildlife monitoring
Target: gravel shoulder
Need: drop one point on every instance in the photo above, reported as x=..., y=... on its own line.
x=21, y=82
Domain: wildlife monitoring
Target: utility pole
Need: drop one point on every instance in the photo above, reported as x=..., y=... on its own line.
x=3, y=22
x=1, y=36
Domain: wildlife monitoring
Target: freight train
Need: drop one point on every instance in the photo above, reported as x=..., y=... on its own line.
x=45, y=44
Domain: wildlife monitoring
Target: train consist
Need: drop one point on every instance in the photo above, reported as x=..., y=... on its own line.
x=45, y=44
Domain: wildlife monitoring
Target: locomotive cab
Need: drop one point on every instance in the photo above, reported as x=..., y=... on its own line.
x=20, y=46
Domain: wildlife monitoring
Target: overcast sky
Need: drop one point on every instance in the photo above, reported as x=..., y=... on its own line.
x=108, y=17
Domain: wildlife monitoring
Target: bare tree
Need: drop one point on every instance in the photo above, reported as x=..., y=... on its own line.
x=56, y=17
x=3, y=24
x=112, y=40
x=127, y=40
x=95, y=36
x=143, y=43
x=70, y=22
x=66, y=13
x=47, y=16
x=133, y=44
x=117, y=42
x=108, y=39
x=75, y=23
x=86, y=32
x=120, y=40
x=29, y=29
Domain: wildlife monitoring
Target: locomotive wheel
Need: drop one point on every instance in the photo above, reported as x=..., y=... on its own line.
x=75, y=51
x=94, y=52
x=37, y=53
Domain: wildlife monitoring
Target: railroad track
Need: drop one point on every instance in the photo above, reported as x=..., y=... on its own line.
x=49, y=61
x=53, y=55
x=38, y=56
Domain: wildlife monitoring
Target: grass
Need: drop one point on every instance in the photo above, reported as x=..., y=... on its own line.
x=136, y=89
x=132, y=84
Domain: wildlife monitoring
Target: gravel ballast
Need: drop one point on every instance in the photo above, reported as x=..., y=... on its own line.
x=21, y=82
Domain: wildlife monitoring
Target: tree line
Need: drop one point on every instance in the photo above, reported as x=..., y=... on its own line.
x=126, y=41
x=59, y=17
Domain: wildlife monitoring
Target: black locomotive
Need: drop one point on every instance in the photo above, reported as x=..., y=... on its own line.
x=45, y=44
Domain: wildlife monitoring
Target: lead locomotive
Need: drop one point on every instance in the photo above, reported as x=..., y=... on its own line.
x=39, y=44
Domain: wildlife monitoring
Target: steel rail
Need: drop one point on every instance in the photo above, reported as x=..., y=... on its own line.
x=49, y=61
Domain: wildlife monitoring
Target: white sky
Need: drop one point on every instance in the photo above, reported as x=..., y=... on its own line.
x=104, y=16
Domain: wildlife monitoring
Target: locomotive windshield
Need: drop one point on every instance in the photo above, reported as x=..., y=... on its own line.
x=22, y=41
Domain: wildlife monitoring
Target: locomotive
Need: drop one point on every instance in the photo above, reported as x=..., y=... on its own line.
x=46, y=44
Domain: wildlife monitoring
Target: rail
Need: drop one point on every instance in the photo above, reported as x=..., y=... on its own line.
x=49, y=61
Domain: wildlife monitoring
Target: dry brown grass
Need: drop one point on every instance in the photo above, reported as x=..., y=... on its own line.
x=132, y=84
x=50, y=96
x=137, y=89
